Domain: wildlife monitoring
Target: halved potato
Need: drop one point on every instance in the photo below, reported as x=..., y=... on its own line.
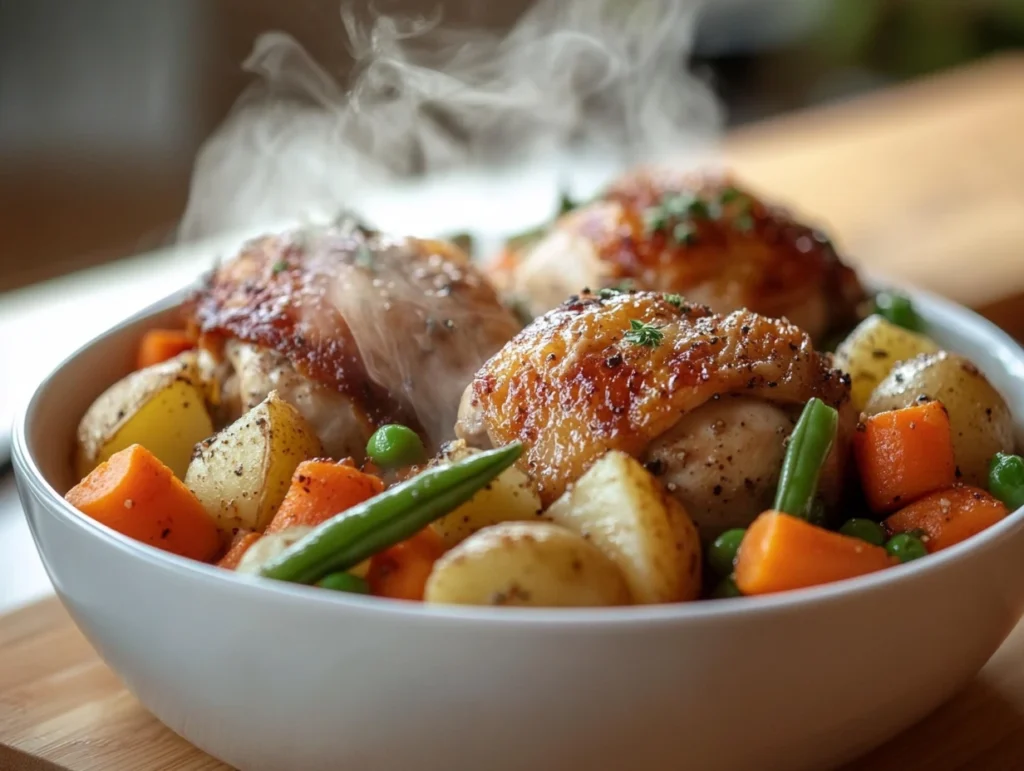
x=510, y=497
x=628, y=515
x=533, y=564
x=872, y=349
x=979, y=417
x=241, y=475
x=161, y=407
x=270, y=546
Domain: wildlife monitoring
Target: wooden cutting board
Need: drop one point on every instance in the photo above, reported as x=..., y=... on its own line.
x=925, y=183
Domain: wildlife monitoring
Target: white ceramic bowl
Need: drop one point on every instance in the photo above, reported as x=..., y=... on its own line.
x=267, y=675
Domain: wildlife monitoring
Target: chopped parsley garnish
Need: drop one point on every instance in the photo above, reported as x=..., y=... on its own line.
x=607, y=293
x=626, y=285
x=744, y=222
x=675, y=216
x=674, y=299
x=643, y=334
x=565, y=203
x=279, y=267
x=730, y=194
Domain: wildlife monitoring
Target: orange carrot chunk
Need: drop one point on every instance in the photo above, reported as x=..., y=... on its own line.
x=138, y=496
x=239, y=546
x=162, y=344
x=781, y=552
x=401, y=572
x=319, y=490
x=904, y=454
x=948, y=516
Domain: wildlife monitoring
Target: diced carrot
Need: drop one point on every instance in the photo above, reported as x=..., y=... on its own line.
x=162, y=344
x=319, y=490
x=781, y=552
x=137, y=495
x=401, y=572
x=239, y=546
x=948, y=516
x=904, y=454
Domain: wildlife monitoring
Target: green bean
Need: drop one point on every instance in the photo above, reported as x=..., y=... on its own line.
x=899, y=310
x=348, y=538
x=808, y=448
x=1006, y=479
x=723, y=550
x=344, y=582
x=395, y=446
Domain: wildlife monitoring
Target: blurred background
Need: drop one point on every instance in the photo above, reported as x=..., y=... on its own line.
x=103, y=103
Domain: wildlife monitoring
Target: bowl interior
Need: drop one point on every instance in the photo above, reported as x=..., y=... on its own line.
x=45, y=435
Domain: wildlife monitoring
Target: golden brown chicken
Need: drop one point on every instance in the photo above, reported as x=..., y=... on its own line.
x=705, y=400
x=352, y=327
x=700, y=236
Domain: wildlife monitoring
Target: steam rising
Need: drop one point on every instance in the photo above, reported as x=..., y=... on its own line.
x=600, y=80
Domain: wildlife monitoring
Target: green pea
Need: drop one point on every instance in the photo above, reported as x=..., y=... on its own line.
x=1006, y=479
x=344, y=582
x=395, y=446
x=726, y=588
x=899, y=310
x=906, y=547
x=723, y=550
x=865, y=530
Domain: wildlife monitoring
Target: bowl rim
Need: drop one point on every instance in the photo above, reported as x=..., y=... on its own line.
x=27, y=472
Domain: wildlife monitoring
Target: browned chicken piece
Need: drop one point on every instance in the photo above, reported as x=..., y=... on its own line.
x=698, y=235
x=354, y=328
x=705, y=400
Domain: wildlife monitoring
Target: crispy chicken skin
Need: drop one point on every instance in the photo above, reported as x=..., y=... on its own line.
x=578, y=382
x=355, y=328
x=699, y=235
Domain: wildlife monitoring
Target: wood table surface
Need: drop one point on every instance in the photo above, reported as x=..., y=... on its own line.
x=924, y=182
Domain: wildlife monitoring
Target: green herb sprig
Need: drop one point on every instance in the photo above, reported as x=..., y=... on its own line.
x=644, y=334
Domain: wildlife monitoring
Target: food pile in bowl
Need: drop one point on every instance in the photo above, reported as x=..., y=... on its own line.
x=634, y=405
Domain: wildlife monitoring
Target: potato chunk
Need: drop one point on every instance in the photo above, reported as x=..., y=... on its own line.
x=510, y=497
x=161, y=408
x=626, y=513
x=534, y=564
x=241, y=475
x=979, y=418
x=872, y=349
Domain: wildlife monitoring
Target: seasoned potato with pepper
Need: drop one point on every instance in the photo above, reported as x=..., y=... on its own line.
x=241, y=475
x=979, y=418
x=534, y=564
x=510, y=497
x=872, y=349
x=626, y=513
x=161, y=408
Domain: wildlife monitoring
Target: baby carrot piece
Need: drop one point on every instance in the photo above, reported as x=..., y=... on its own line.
x=948, y=516
x=781, y=552
x=904, y=454
x=319, y=490
x=138, y=496
x=401, y=572
x=237, y=550
x=162, y=344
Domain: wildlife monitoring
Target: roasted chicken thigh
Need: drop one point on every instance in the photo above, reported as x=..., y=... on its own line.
x=700, y=236
x=352, y=327
x=706, y=400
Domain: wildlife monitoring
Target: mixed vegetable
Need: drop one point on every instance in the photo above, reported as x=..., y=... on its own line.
x=932, y=456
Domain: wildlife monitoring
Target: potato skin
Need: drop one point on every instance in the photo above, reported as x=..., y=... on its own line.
x=270, y=546
x=509, y=498
x=160, y=407
x=979, y=418
x=629, y=516
x=872, y=349
x=529, y=564
x=241, y=474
